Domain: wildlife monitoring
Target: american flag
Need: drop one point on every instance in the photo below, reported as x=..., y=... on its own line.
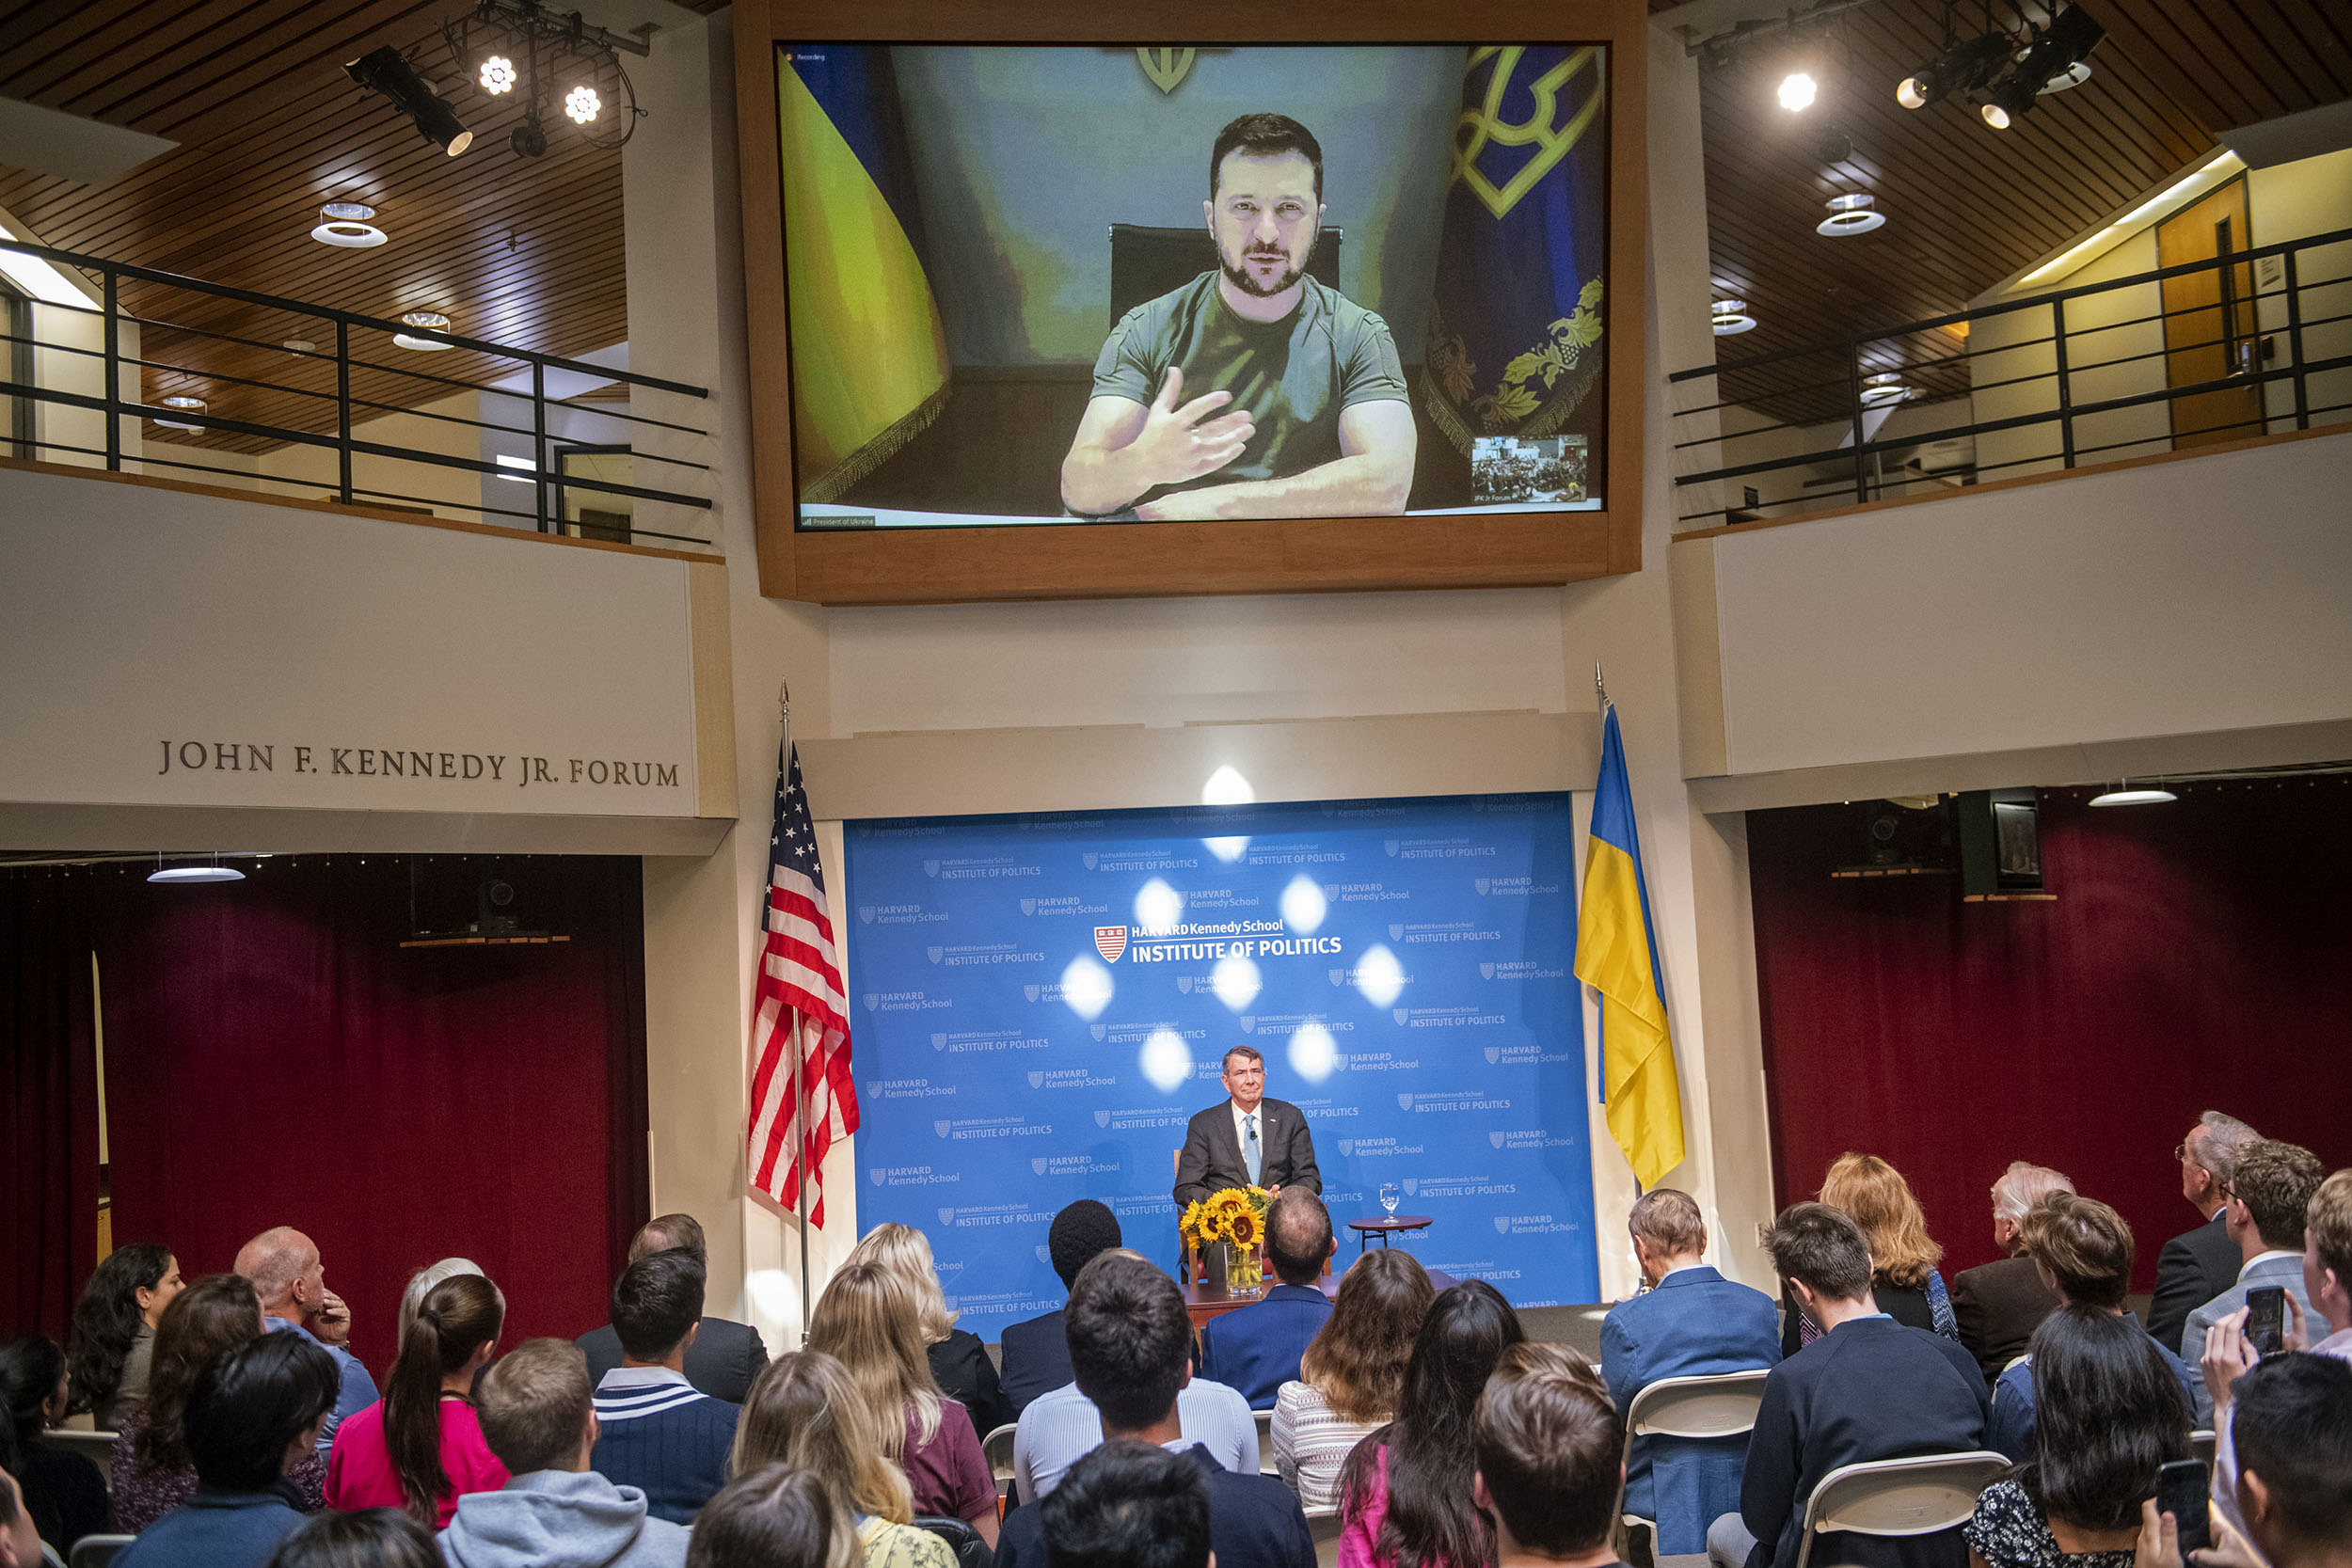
x=798, y=1005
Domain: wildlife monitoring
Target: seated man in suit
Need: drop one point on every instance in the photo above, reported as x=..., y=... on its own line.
x=656, y=1432
x=1249, y=1141
x=2082, y=1249
x=1257, y=1349
x=1130, y=1344
x=1036, y=1358
x=2200, y=1264
x=1692, y=1323
x=1869, y=1388
x=1548, y=1455
x=1999, y=1306
x=725, y=1356
x=2269, y=1195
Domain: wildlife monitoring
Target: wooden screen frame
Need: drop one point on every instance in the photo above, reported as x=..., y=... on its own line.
x=1276, y=555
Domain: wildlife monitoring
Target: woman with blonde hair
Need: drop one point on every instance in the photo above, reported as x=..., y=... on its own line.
x=1351, y=1373
x=870, y=1319
x=1903, y=1278
x=805, y=1413
x=960, y=1363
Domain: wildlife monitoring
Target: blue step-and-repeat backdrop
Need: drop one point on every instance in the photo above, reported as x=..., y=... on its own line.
x=1041, y=1003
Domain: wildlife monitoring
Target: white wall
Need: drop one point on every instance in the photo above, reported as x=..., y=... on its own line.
x=2311, y=196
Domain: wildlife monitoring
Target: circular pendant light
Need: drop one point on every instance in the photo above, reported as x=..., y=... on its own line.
x=1730, y=316
x=1885, y=388
x=1851, y=213
x=432, y=321
x=181, y=400
x=2125, y=795
x=345, y=224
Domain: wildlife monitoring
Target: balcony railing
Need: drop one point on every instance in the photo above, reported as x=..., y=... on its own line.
x=2051, y=381
x=319, y=412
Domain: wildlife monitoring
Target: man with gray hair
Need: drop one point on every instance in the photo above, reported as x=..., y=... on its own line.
x=2200, y=1264
x=724, y=1356
x=290, y=1278
x=1999, y=1306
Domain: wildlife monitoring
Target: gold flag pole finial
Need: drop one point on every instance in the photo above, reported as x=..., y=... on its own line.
x=1600, y=687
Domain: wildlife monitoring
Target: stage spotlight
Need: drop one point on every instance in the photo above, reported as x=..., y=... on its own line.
x=498, y=75
x=383, y=70
x=529, y=138
x=1798, y=90
x=2051, y=63
x=1960, y=67
x=581, y=104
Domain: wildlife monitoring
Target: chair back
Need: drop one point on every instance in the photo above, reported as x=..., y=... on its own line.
x=1324, y=1525
x=996, y=1448
x=1266, y=1463
x=1718, y=1405
x=962, y=1540
x=1899, y=1497
x=96, y=1446
x=96, y=1551
x=2201, y=1444
x=1147, y=262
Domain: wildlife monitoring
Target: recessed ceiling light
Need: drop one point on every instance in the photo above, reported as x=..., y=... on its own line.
x=1853, y=214
x=432, y=321
x=181, y=400
x=1798, y=90
x=1731, y=316
x=345, y=224
x=299, y=345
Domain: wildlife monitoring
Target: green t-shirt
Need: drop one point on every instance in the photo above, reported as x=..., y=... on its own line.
x=1294, y=375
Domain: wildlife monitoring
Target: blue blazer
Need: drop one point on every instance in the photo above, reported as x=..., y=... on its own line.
x=1257, y=1349
x=1695, y=1323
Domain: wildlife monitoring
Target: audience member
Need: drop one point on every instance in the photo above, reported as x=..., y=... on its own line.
x=2082, y=1250
x=19, y=1543
x=660, y=1433
x=412, y=1293
x=291, y=1278
x=253, y=1416
x=1350, y=1376
x=370, y=1538
x=1869, y=1388
x=422, y=1446
x=2291, y=1432
x=1999, y=1306
x=113, y=1341
x=1128, y=1505
x=958, y=1359
x=726, y=1355
x=1131, y=1347
x=1549, y=1456
x=1037, y=1359
x=64, y=1492
x=1256, y=1350
x=1060, y=1426
x=2111, y=1412
x=1405, y=1493
x=2268, y=1195
x=2200, y=1264
x=773, y=1518
x=869, y=1319
x=1692, y=1323
x=805, y=1413
x=538, y=1416
x=153, y=1471
x=1904, y=1284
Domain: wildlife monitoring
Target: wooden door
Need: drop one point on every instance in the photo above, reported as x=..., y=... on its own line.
x=2209, y=319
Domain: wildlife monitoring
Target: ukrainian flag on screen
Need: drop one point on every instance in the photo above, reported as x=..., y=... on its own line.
x=870, y=357
x=1616, y=954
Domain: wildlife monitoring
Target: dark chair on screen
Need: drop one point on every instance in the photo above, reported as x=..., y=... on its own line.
x=962, y=1540
x=1147, y=262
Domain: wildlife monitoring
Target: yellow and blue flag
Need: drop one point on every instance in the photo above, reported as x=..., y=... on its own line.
x=1513, y=336
x=1616, y=954
x=869, y=355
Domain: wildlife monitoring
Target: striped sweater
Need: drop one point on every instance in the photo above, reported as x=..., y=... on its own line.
x=656, y=1432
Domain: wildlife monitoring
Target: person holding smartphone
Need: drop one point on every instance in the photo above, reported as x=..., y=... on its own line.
x=2292, y=1443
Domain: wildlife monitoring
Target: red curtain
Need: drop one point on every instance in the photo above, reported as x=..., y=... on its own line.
x=2195, y=958
x=48, y=1099
x=274, y=1057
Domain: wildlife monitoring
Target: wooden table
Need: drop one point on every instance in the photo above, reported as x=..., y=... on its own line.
x=1386, y=1226
x=1203, y=1302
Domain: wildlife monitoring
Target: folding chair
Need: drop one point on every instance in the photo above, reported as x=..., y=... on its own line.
x=96, y=1446
x=1324, y=1525
x=2201, y=1444
x=96, y=1551
x=998, y=1449
x=1899, y=1497
x=1267, y=1465
x=1716, y=1404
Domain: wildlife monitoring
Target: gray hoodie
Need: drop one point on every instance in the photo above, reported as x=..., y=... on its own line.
x=560, y=1519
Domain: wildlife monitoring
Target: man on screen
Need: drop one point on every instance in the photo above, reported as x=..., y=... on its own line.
x=1249, y=1141
x=1253, y=391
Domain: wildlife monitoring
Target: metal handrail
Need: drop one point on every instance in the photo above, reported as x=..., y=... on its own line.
x=115, y=407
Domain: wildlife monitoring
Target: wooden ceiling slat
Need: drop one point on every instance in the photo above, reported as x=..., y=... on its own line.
x=2326, y=30
x=45, y=31
x=2303, y=77
x=2241, y=86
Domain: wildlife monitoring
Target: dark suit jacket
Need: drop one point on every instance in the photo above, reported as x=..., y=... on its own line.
x=1870, y=1390
x=1254, y=1522
x=724, y=1358
x=2193, y=1268
x=1212, y=1158
x=961, y=1367
x=1998, y=1306
x=1257, y=1349
x=1037, y=1361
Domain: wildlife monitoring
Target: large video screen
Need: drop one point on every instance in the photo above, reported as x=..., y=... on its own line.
x=1059, y=284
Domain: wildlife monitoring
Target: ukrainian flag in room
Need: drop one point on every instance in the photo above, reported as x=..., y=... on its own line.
x=1616, y=954
x=870, y=357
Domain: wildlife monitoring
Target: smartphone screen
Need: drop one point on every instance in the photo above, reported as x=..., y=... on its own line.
x=2266, y=1319
x=2181, y=1490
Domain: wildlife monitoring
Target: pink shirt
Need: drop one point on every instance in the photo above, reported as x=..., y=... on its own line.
x=360, y=1467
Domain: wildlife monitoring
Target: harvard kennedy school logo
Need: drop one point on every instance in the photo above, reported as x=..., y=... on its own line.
x=1110, y=940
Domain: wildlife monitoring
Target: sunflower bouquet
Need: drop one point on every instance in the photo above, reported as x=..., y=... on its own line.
x=1232, y=1217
